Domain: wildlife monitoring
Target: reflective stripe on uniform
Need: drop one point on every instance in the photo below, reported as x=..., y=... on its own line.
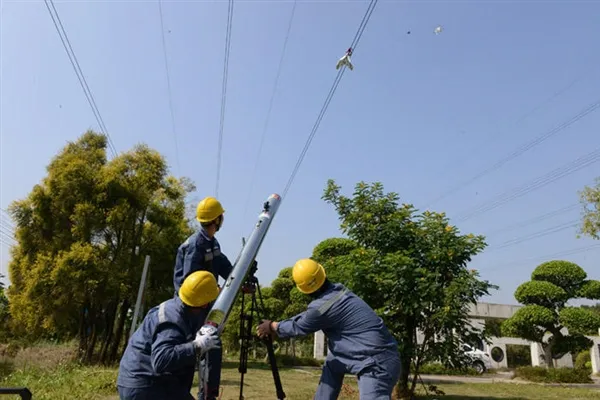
x=161, y=312
x=327, y=305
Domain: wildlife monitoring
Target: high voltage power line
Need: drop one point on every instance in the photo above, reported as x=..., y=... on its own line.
x=169, y=93
x=80, y=76
x=268, y=117
x=499, y=133
x=336, y=82
x=538, y=183
x=524, y=148
x=563, y=253
x=534, y=220
x=224, y=92
x=538, y=234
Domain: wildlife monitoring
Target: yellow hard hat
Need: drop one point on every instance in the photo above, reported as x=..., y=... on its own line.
x=198, y=289
x=308, y=275
x=208, y=209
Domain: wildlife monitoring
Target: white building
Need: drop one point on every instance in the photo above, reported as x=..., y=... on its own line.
x=497, y=346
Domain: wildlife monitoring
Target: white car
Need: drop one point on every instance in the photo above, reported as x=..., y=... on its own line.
x=481, y=360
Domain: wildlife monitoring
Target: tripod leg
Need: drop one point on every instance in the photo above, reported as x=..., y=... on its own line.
x=271, y=353
x=274, y=369
x=243, y=367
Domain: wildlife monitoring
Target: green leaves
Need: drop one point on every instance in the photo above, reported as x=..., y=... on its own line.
x=410, y=267
x=589, y=290
x=542, y=293
x=564, y=274
x=78, y=232
x=553, y=284
x=529, y=322
x=580, y=320
x=590, y=200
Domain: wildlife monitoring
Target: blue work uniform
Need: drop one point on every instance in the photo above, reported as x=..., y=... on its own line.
x=201, y=253
x=160, y=358
x=358, y=342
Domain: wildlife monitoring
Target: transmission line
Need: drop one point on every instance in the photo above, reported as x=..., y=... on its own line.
x=548, y=256
x=224, y=92
x=558, y=173
x=534, y=220
x=477, y=148
x=268, y=117
x=332, y=91
x=539, y=234
x=164, y=46
x=80, y=76
x=524, y=148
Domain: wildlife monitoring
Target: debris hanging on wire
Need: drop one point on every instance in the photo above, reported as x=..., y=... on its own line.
x=345, y=60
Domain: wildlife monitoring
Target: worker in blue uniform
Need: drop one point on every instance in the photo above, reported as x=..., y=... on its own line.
x=202, y=252
x=160, y=357
x=358, y=341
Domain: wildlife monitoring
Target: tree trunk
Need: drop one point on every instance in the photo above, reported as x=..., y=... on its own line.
x=119, y=334
x=548, y=357
x=92, y=342
x=403, y=383
x=108, y=330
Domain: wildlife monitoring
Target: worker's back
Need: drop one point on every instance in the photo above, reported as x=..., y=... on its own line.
x=143, y=365
x=355, y=334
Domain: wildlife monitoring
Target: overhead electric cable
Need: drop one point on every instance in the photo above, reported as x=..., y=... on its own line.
x=534, y=220
x=224, y=92
x=538, y=234
x=268, y=117
x=546, y=257
x=169, y=93
x=459, y=161
x=332, y=91
x=80, y=76
x=524, y=148
x=558, y=173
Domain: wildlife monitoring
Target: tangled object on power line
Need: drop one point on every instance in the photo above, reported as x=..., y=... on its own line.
x=345, y=60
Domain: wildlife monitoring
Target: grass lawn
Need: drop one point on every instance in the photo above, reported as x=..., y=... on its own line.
x=65, y=381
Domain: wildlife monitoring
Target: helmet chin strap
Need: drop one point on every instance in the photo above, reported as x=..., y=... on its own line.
x=219, y=223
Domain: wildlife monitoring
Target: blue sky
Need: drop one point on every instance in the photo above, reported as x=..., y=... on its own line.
x=420, y=113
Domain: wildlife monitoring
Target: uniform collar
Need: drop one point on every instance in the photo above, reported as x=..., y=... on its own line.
x=204, y=234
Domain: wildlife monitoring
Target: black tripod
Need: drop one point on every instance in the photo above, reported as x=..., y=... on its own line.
x=250, y=287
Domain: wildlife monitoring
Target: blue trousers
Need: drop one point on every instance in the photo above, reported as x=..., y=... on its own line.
x=215, y=361
x=375, y=382
x=153, y=393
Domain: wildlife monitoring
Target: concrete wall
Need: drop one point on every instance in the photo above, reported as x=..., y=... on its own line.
x=478, y=313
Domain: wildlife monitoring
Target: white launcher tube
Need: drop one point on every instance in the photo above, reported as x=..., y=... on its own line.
x=217, y=317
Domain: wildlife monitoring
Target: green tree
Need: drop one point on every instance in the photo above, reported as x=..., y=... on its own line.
x=4, y=313
x=412, y=269
x=595, y=308
x=590, y=200
x=545, y=313
x=82, y=235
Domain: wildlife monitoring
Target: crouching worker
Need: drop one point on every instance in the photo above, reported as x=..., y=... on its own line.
x=357, y=340
x=160, y=358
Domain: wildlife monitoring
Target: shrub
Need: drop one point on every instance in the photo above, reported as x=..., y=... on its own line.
x=553, y=375
x=440, y=369
x=289, y=361
x=584, y=360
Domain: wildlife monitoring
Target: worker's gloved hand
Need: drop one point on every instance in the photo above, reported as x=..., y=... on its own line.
x=264, y=329
x=206, y=342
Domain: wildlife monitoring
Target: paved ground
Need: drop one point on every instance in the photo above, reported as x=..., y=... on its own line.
x=500, y=377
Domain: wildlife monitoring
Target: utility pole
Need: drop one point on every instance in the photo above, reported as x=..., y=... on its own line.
x=138, y=302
